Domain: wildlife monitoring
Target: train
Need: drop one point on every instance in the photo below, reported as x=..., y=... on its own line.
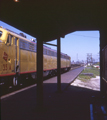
x=18, y=59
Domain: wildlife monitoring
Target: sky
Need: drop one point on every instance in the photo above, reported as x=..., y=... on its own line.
x=76, y=44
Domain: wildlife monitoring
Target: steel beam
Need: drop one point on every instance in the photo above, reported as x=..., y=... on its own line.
x=39, y=73
x=49, y=44
x=58, y=66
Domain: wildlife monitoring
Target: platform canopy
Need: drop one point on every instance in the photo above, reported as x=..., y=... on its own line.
x=50, y=19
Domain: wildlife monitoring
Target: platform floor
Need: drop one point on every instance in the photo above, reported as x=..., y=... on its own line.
x=73, y=103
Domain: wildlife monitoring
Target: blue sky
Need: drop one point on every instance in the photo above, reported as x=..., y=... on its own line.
x=76, y=44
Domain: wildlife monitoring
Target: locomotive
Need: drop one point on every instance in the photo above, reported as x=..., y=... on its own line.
x=18, y=58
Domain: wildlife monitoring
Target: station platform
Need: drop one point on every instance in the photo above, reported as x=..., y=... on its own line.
x=73, y=103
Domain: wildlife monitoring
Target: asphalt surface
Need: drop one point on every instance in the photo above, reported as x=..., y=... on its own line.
x=73, y=103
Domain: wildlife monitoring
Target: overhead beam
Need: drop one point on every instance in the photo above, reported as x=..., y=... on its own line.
x=49, y=44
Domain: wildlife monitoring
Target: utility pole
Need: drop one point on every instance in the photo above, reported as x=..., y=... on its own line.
x=77, y=58
x=89, y=58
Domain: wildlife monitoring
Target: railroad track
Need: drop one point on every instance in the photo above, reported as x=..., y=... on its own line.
x=13, y=90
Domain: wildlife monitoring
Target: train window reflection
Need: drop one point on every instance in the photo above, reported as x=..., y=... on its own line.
x=0, y=33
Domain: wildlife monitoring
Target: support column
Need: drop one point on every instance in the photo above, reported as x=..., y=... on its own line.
x=39, y=73
x=58, y=66
x=103, y=43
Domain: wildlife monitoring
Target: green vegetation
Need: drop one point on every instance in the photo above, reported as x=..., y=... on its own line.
x=98, y=63
x=88, y=73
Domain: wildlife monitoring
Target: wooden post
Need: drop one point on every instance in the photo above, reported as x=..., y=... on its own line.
x=103, y=43
x=39, y=74
x=58, y=66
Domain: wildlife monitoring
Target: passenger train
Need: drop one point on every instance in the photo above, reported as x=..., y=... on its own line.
x=18, y=58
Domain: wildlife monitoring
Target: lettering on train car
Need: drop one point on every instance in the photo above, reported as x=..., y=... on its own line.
x=9, y=67
x=5, y=56
x=4, y=67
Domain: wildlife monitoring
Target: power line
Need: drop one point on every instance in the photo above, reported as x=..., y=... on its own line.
x=85, y=36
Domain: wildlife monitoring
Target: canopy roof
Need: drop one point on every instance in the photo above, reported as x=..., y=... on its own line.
x=50, y=19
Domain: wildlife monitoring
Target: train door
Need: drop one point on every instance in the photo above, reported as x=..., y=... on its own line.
x=16, y=60
x=11, y=59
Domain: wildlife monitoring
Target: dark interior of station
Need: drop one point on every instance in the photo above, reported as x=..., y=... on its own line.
x=52, y=19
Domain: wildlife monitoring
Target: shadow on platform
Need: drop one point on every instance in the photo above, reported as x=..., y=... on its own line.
x=73, y=103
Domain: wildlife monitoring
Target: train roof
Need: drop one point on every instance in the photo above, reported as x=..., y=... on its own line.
x=15, y=34
x=21, y=37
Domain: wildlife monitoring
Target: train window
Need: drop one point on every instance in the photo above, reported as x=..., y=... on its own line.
x=48, y=52
x=16, y=41
x=0, y=33
x=52, y=53
x=55, y=54
x=31, y=46
x=45, y=51
x=62, y=56
x=9, y=39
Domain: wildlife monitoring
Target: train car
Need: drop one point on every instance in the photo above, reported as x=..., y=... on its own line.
x=18, y=59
